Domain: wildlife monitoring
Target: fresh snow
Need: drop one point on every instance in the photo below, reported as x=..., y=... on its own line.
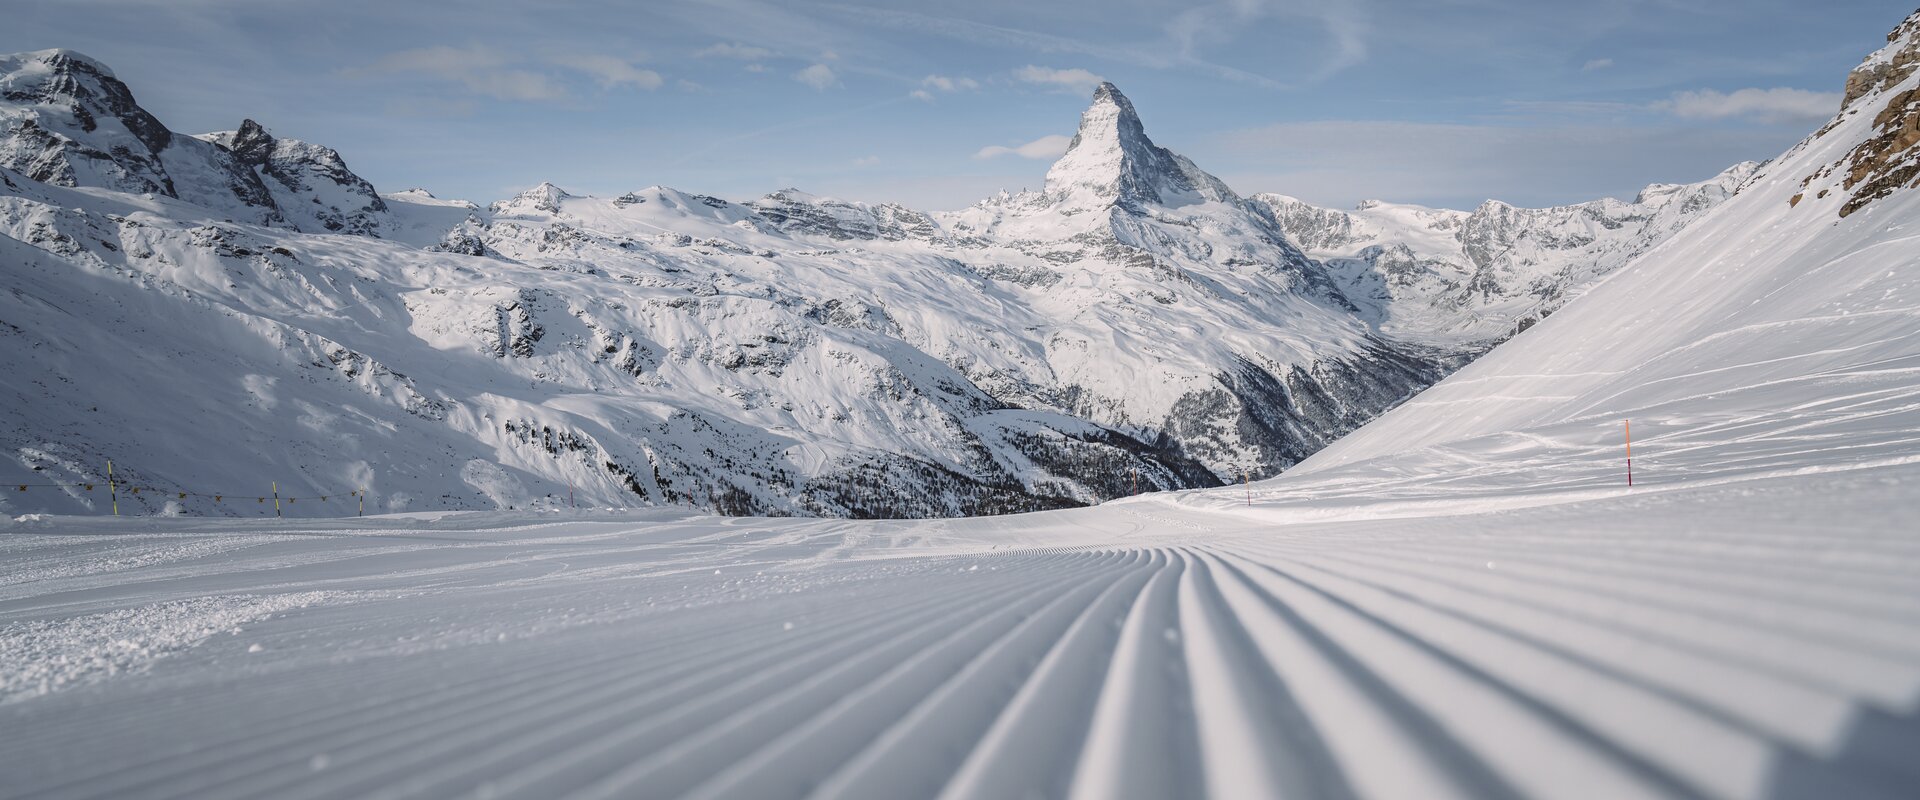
x=1745, y=640
x=1462, y=599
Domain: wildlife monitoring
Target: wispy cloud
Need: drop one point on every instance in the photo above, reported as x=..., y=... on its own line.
x=1199, y=27
x=1072, y=80
x=947, y=84
x=1154, y=55
x=818, y=76
x=482, y=70
x=1045, y=147
x=1766, y=105
x=503, y=76
x=1596, y=65
x=733, y=50
x=610, y=71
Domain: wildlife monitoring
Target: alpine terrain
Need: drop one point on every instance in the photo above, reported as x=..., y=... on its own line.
x=1135, y=325
x=1466, y=597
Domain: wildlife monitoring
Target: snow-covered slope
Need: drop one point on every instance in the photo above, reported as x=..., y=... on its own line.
x=1742, y=625
x=1759, y=642
x=1776, y=335
x=1473, y=278
x=1135, y=325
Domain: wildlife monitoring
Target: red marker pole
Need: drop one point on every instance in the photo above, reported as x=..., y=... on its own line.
x=1629, y=424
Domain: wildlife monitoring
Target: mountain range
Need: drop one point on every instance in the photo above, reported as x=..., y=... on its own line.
x=1134, y=325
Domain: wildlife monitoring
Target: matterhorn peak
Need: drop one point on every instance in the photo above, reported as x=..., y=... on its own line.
x=1112, y=162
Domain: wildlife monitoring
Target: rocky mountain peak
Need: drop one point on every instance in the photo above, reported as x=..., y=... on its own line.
x=67, y=121
x=543, y=198
x=252, y=144
x=1112, y=162
x=1889, y=65
x=73, y=85
x=1888, y=159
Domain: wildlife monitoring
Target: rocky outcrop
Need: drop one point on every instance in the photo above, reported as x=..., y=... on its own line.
x=1888, y=159
x=1888, y=67
x=310, y=184
x=797, y=212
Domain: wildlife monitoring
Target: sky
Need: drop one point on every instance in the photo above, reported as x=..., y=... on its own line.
x=939, y=104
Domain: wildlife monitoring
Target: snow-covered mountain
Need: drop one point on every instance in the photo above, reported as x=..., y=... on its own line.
x=1775, y=337
x=1134, y=324
x=1472, y=278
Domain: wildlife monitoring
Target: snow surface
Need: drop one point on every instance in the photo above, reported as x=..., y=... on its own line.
x=1462, y=599
x=1757, y=639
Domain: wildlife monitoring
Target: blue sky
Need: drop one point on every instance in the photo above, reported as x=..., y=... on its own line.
x=937, y=104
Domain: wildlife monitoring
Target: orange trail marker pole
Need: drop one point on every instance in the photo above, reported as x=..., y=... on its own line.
x=111, y=491
x=363, y=502
x=276, y=498
x=1629, y=424
x=1246, y=479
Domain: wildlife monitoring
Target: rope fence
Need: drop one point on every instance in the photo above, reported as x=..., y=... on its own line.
x=114, y=488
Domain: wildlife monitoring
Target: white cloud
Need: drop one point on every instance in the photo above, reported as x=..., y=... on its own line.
x=504, y=76
x=1202, y=27
x=610, y=71
x=1074, y=80
x=756, y=68
x=734, y=50
x=818, y=76
x=1766, y=105
x=921, y=94
x=1596, y=65
x=947, y=84
x=515, y=84
x=441, y=60
x=481, y=70
x=1043, y=147
x=866, y=161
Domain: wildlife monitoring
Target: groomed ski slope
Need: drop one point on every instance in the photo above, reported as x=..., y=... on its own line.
x=1460, y=600
x=1762, y=640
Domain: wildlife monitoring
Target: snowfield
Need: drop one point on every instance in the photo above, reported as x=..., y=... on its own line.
x=1753, y=639
x=1461, y=599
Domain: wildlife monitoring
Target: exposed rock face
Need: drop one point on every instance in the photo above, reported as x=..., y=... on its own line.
x=794, y=211
x=310, y=184
x=68, y=121
x=1888, y=66
x=1888, y=160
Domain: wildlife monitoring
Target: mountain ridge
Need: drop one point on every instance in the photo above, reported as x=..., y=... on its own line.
x=1135, y=324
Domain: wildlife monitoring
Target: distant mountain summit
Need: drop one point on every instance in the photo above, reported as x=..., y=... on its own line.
x=1472, y=278
x=1112, y=162
x=1133, y=325
x=67, y=121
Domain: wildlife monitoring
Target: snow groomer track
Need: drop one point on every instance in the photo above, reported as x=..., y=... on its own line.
x=1741, y=652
